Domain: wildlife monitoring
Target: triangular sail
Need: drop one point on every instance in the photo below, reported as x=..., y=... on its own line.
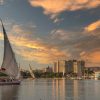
x=31, y=72
x=9, y=61
x=19, y=74
x=63, y=73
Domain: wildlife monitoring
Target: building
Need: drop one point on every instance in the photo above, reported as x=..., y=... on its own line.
x=62, y=66
x=70, y=66
x=75, y=66
x=59, y=66
x=97, y=75
x=54, y=67
x=47, y=69
x=94, y=69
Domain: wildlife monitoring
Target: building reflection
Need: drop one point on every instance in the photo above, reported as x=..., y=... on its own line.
x=58, y=89
x=76, y=90
x=9, y=93
x=63, y=89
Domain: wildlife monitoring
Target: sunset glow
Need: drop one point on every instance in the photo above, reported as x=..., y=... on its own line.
x=43, y=31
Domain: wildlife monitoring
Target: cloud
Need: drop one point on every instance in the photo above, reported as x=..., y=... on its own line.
x=88, y=43
x=56, y=7
x=93, y=26
x=59, y=34
x=57, y=20
x=1, y=2
x=36, y=49
x=82, y=53
x=92, y=58
x=64, y=35
x=22, y=29
x=44, y=56
x=17, y=29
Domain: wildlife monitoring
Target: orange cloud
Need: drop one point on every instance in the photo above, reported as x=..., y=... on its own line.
x=39, y=52
x=17, y=29
x=44, y=56
x=23, y=29
x=36, y=50
x=92, y=58
x=56, y=7
x=93, y=26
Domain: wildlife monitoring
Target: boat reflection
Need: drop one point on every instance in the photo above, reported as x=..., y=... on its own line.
x=9, y=92
x=52, y=89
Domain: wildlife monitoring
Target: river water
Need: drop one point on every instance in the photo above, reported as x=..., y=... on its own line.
x=52, y=89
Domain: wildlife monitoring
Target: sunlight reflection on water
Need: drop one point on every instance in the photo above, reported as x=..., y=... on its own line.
x=52, y=89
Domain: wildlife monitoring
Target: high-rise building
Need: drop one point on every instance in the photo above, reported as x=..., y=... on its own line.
x=70, y=66
x=59, y=66
x=54, y=67
x=75, y=66
x=62, y=66
x=79, y=67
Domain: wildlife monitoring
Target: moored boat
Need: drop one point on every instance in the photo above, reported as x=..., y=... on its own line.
x=14, y=82
x=9, y=65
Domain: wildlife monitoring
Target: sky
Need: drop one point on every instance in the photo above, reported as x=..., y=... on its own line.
x=44, y=31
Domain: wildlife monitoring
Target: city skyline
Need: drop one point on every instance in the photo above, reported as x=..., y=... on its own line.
x=44, y=31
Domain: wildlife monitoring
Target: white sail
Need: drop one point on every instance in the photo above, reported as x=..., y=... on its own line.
x=31, y=72
x=9, y=61
x=19, y=74
x=63, y=73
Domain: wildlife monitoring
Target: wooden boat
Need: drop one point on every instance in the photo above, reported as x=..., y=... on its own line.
x=9, y=65
x=14, y=82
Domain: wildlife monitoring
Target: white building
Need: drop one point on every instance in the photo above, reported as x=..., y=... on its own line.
x=97, y=75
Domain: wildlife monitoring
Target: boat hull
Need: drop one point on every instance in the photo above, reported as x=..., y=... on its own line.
x=10, y=83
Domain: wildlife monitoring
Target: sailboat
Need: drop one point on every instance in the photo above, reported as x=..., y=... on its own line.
x=63, y=73
x=9, y=65
x=31, y=72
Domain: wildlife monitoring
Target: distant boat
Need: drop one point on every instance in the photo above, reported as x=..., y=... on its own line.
x=9, y=64
x=31, y=72
x=63, y=73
